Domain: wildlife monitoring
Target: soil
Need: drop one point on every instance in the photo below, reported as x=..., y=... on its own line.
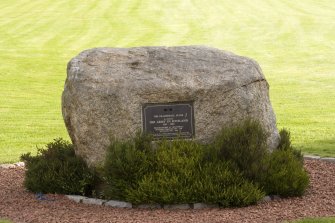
x=19, y=205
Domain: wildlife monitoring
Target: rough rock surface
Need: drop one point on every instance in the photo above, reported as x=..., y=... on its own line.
x=106, y=88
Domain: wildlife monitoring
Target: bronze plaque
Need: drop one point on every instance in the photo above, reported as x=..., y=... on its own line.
x=169, y=120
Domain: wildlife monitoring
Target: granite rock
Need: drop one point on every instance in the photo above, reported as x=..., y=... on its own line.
x=106, y=88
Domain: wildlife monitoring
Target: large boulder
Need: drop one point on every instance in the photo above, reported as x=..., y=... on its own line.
x=106, y=89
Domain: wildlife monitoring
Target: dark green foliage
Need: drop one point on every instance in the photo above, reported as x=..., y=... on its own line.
x=176, y=165
x=280, y=172
x=143, y=142
x=160, y=187
x=180, y=172
x=285, y=175
x=285, y=140
x=245, y=146
x=126, y=163
x=237, y=169
x=219, y=183
x=283, y=172
x=56, y=169
x=285, y=144
x=216, y=184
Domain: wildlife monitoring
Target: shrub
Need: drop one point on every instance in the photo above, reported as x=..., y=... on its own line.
x=286, y=145
x=56, y=169
x=280, y=172
x=285, y=174
x=235, y=170
x=285, y=140
x=216, y=184
x=161, y=188
x=176, y=164
x=245, y=146
x=126, y=163
x=219, y=183
x=180, y=173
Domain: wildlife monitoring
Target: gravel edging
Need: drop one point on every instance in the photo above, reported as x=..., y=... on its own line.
x=19, y=205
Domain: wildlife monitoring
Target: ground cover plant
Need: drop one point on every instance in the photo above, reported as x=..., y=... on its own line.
x=237, y=169
x=293, y=41
x=56, y=169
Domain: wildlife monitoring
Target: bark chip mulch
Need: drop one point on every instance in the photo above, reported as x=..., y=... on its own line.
x=19, y=205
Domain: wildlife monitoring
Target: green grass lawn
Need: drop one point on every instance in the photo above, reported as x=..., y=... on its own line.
x=316, y=220
x=294, y=42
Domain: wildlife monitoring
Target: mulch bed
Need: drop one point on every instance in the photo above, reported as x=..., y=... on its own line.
x=19, y=205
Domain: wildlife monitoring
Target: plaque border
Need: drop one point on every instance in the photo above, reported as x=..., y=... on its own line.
x=187, y=103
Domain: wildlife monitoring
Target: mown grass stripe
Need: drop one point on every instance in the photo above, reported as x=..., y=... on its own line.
x=294, y=42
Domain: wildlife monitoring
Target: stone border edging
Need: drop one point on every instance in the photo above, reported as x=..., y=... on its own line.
x=123, y=204
x=12, y=165
x=328, y=159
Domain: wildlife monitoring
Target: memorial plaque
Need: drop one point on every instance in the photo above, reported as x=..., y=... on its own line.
x=169, y=120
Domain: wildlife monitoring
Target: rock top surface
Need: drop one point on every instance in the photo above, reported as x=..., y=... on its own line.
x=106, y=88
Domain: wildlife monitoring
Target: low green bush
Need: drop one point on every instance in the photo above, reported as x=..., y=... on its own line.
x=126, y=163
x=180, y=172
x=56, y=169
x=280, y=172
x=223, y=187
x=285, y=144
x=245, y=146
x=219, y=183
x=285, y=140
x=237, y=169
x=285, y=175
x=283, y=171
x=175, y=165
